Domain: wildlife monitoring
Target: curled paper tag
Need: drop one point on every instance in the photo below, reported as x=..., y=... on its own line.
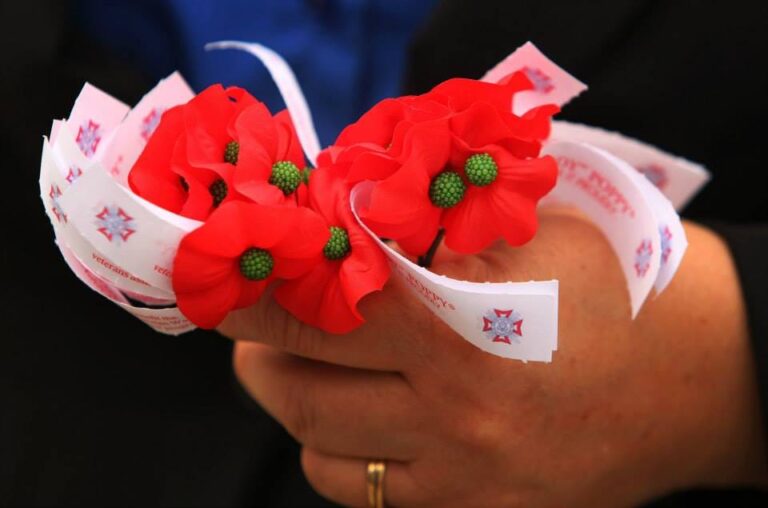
x=91, y=279
x=672, y=239
x=52, y=189
x=94, y=118
x=510, y=319
x=169, y=321
x=133, y=133
x=70, y=161
x=125, y=228
x=675, y=177
x=612, y=195
x=551, y=84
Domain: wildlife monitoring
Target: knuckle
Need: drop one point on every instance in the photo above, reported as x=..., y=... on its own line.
x=482, y=432
x=288, y=333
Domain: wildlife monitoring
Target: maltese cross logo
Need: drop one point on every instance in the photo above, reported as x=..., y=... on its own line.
x=666, y=243
x=150, y=123
x=56, y=207
x=655, y=173
x=115, y=224
x=503, y=326
x=88, y=137
x=74, y=174
x=643, y=257
x=541, y=82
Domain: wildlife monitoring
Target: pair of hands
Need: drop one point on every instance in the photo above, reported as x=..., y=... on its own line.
x=628, y=410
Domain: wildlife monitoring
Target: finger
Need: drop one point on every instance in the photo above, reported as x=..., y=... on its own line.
x=386, y=342
x=337, y=410
x=343, y=480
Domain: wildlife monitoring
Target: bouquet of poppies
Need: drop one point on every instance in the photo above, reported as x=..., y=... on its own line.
x=190, y=206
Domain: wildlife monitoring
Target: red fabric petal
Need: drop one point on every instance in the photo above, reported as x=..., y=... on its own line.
x=207, y=308
x=366, y=268
x=206, y=118
x=417, y=242
x=375, y=126
x=327, y=296
x=206, y=284
x=300, y=248
x=255, y=127
x=262, y=192
x=206, y=266
x=250, y=292
x=400, y=204
x=506, y=208
x=241, y=98
x=371, y=166
x=461, y=93
x=289, y=146
x=317, y=300
x=325, y=191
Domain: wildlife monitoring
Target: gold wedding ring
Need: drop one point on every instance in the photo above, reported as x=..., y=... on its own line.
x=374, y=479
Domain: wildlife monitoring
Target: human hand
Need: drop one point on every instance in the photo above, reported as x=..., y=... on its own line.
x=628, y=410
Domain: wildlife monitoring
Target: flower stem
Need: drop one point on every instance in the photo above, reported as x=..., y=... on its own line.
x=426, y=259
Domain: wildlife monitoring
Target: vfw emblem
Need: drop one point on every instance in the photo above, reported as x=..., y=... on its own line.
x=666, y=243
x=55, y=194
x=541, y=82
x=150, y=123
x=655, y=173
x=116, y=225
x=74, y=174
x=643, y=257
x=88, y=137
x=503, y=326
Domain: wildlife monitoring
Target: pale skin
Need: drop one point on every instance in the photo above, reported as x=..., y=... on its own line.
x=627, y=411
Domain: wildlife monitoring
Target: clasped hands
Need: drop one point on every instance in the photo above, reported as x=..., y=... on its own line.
x=627, y=411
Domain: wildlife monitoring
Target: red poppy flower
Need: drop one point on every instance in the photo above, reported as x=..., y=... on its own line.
x=271, y=162
x=399, y=208
x=501, y=189
x=184, y=167
x=421, y=188
x=352, y=267
x=227, y=262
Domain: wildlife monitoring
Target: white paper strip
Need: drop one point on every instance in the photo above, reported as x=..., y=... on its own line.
x=70, y=161
x=122, y=227
x=133, y=133
x=678, y=178
x=552, y=85
x=672, y=239
x=169, y=321
x=609, y=195
x=94, y=118
x=51, y=184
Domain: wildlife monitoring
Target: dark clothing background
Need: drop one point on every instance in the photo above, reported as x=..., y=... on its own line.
x=98, y=410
